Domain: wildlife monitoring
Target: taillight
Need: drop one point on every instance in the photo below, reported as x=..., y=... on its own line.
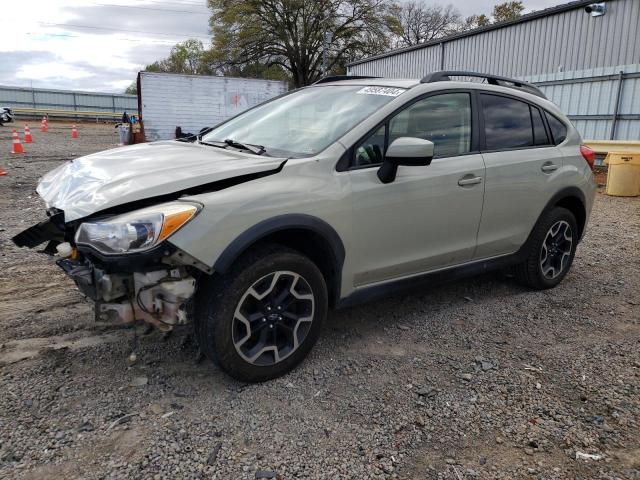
x=588, y=154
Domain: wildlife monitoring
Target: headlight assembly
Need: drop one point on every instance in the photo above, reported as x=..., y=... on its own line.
x=136, y=231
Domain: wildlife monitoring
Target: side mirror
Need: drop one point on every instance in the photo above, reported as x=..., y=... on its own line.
x=407, y=151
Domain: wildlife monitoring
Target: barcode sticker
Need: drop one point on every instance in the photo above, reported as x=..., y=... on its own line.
x=386, y=91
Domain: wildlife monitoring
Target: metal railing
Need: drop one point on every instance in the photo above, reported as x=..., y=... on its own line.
x=36, y=113
x=603, y=147
x=69, y=104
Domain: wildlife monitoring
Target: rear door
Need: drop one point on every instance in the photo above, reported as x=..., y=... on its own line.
x=428, y=217
x=522, y=172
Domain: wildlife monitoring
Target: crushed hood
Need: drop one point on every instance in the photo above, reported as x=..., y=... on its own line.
x=114, y=177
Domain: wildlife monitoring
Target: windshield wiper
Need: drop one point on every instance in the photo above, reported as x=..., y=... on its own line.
x=257, y=149
x=213, y=144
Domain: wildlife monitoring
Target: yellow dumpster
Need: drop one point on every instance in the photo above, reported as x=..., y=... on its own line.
x=623, y=178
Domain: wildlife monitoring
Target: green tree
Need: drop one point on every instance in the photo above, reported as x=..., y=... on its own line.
x=132, y=89
x=248, y=70
x=501, y=13
x=475, y=21
x=507, y=11
x=290, y=34
x=185, y=57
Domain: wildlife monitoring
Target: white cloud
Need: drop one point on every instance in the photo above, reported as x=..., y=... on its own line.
x=48, y=70
x=51, y=44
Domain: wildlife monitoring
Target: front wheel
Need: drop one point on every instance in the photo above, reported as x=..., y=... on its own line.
x=550, y=251
x=261, y=319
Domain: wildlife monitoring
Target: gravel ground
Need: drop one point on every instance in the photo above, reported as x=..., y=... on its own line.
x=474, y=379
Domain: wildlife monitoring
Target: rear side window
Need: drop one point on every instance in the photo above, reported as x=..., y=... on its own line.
x=539, y=132
x=507, y=123
x=558, y=129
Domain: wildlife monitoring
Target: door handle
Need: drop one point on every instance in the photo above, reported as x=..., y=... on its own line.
x=466, y=181
x=549, y=167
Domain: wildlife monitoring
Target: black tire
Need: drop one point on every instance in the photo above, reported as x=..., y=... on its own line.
x=530, y=272
x=218, y=296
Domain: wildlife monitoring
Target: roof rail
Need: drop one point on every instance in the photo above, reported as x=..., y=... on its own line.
x=445, y=75
x=337, y=78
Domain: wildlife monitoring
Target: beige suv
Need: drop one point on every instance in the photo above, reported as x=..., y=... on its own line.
x=324, y=197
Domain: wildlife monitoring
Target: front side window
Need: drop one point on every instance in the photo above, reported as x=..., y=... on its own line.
x=507, y=123
x=306, y=121
x=443, y=119
x=371, y=151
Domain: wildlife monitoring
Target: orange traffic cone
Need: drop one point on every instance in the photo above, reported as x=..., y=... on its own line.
x=74, y=132
x=16, y=147
x=3, y=172
x=43, y=125
x=27, y=134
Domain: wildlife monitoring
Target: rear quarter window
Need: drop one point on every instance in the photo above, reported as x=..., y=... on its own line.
x=558, y=129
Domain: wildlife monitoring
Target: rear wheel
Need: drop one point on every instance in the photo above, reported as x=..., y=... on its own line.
x=551, y=250
x=261, y=319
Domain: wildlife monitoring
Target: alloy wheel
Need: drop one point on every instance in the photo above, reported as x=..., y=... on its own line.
x=556, y=249
x=272, y=318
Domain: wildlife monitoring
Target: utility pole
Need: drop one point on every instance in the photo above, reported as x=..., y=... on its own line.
x=326, y=41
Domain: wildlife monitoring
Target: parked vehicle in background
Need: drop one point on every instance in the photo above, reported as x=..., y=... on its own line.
x=6, y=115
x=322, y=198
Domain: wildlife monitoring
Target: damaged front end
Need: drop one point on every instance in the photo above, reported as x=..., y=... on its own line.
x=111, y=213
x=156, y=296
x=123, y=263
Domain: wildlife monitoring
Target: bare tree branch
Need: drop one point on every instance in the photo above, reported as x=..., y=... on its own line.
x=290, y=33
x=418, y=22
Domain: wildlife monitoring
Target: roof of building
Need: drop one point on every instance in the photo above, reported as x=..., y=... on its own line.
x=522, y=19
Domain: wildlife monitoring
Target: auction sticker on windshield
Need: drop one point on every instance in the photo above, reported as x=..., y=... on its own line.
x=386, y=91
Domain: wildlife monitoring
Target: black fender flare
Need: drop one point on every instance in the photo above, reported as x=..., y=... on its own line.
x=277, y=224
x=571, y=192
x=566, y=192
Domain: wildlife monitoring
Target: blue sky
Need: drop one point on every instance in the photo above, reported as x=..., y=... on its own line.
x=100, y=45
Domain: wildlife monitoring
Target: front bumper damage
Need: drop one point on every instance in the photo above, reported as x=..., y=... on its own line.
x=158, y=296
x=154, y=286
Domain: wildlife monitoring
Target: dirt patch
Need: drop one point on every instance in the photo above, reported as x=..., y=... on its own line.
x=28, y=348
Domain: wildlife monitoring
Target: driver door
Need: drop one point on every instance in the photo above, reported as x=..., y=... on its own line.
x=428, y=217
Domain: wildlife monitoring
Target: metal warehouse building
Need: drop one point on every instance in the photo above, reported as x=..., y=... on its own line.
x=588, y=65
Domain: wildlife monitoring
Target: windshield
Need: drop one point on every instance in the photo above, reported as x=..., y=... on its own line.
x=306, y=121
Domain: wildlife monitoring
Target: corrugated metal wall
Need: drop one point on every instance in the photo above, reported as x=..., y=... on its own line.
x=194, y=102
x=568, y=41
x=413, y=64
x=553, y=48
x=589, y=97
x=40, y=98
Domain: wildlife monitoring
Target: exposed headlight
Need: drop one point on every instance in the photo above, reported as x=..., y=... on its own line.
x=136, y=231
